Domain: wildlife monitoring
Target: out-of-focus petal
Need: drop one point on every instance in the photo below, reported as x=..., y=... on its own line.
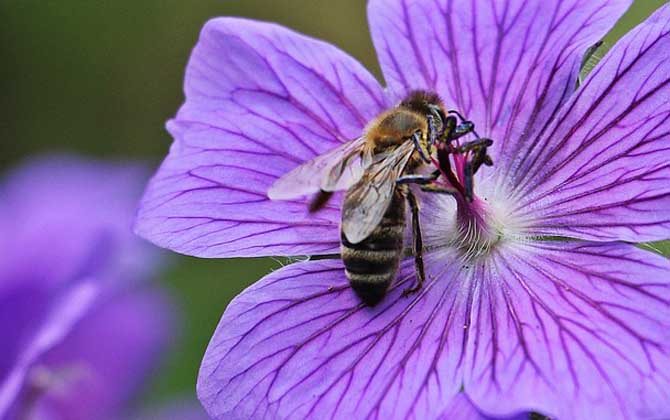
x=461, y=408
x=22, y=310
x=260, y=100
x=506, y=65
x=601, y=171
x=573, y=330
x=69, y=218
x=64, y=314
x=109, y=355
x=299, y=344
x=66, y=246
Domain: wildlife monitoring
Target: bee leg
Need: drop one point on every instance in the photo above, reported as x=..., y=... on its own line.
x=425, y=154
x=417, y=245
x=439, y=189
x=319, y=201
x=418, y=179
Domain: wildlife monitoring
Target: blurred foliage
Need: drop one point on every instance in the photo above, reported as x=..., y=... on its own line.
x=101, y=78
x=660, y=248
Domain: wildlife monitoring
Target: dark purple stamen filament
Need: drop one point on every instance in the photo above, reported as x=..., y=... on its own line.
x=467, y=159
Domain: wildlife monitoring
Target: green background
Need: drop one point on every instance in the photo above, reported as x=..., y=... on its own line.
x=100, y=78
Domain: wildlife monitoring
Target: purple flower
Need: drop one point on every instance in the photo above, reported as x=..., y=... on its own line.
x=461, y=408
x=575, y=328
x=80, y=327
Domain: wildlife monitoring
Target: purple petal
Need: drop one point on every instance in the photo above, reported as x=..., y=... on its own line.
x=22, y=310
x=299, y=344
x=64, y=220
x=461, y=408
x=111, y=351
x=65, y=313
x=602, y=172
x=89, y=355
x=66, y=239
x=566, y=329
x=260, y=100
x=70, y=218
x=572, y=330
x=507, y=66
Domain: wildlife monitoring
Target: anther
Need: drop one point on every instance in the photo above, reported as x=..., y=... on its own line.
x=480, y=144
x=467, y=157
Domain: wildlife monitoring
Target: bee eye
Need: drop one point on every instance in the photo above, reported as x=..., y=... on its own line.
x=437, y=113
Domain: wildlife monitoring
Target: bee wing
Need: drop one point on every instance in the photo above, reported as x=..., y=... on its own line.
x=334, y=170
x=368, y=199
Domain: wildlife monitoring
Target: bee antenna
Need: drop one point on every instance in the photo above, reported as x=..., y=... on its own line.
x=459, y=115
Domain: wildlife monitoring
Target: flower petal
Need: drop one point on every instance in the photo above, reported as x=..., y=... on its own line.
x=69, y=218
x=573, y=330
x=299, y=344
x=260, y=100
x=461, y=408
x=602, y=172
x=66, y=240
x=92, y=352
x=65, y=312
x=506, y=65
x=111, y=351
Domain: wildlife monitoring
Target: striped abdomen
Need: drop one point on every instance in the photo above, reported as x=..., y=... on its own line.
x=371, y=264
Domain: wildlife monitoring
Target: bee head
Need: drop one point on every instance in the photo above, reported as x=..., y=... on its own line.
x=436, y=119
x=429, y=105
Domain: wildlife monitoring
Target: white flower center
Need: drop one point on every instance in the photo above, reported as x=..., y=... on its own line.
x=474, y=228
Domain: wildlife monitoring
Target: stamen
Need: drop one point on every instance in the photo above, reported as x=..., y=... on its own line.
x=445, y=167
x=477, y=145
x=458, y=162
x=467, y=180
x=467, y=159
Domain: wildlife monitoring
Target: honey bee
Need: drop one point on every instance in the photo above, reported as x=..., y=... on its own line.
x=376, y=170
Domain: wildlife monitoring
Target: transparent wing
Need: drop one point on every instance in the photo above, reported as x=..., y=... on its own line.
x=367, y=200
x=334, y=170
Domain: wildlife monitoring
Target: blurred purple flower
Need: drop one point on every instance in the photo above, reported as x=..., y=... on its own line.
x=573, y=329
x=80, y=327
